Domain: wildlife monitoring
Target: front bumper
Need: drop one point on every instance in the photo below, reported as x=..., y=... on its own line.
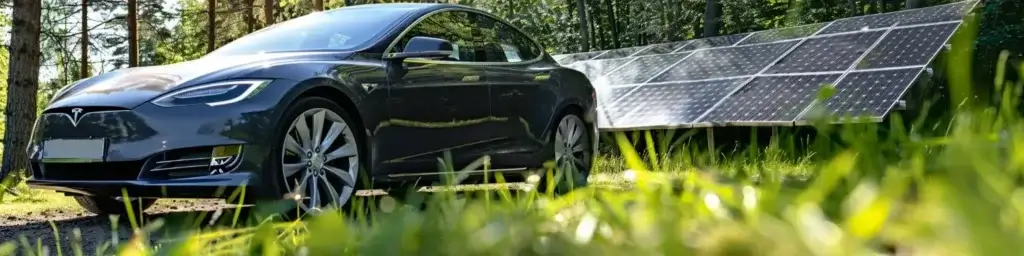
x=155, y=151
x=213, y=186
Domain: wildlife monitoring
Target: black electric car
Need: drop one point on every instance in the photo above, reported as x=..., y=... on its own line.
x=318, y=107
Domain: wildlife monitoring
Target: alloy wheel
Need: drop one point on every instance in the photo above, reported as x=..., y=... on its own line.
x=572, y=149
x=320, y=160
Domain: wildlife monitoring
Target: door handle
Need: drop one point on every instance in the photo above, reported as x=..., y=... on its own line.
x=471, y=78
x=512, y=93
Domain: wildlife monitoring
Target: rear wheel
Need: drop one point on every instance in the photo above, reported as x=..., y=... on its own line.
x=104, y=205
x=319, y=161
x=573, y=156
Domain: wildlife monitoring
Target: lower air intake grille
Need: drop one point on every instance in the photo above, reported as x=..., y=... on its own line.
x=91, y=171
x=179, y=163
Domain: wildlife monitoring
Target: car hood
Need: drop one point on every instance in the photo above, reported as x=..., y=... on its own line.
x=128, y=88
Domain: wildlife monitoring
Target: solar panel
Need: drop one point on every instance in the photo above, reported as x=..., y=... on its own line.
x=613, y=94
x=571, y=58
x=770, y=99
x=832, y=53
x=596, y=68
x=949, y=12
x=770, y=77
x=673, y=103
x=908, y=46
x=869, y=93
x=725, y=62
x=640, y=69
x=781, y=34
x=619, y=53
x=661, y=48
x=862, y=23
x=718, y=41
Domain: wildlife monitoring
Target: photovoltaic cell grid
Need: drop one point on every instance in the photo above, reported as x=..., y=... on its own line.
x=770, y=77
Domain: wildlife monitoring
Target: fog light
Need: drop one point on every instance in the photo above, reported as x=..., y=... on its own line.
x=225, y=159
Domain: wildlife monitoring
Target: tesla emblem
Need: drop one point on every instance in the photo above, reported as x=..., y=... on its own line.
x=76, y=115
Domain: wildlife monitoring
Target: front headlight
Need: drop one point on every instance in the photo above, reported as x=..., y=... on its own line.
x=215, y=94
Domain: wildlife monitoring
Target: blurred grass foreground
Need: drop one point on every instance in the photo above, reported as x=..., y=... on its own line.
x=888, y=189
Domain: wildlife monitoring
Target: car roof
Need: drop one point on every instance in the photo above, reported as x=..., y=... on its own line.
x=411, y=6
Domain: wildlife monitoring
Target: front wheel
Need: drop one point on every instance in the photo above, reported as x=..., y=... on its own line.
x=573, y=157
x=319, y=161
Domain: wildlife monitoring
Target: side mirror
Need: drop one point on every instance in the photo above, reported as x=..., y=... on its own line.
x=423, y=47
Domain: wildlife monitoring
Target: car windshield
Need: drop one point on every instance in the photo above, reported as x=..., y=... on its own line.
x=336, y=30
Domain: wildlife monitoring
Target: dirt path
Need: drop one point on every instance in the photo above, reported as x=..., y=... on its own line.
x=95, y=232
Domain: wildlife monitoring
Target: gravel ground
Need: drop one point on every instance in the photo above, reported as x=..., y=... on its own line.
x=95, y=231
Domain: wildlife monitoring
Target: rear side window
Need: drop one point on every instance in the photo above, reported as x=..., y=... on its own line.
x=504, y=43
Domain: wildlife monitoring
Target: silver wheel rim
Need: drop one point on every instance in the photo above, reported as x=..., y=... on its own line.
x=571, y=147
x=320, y=160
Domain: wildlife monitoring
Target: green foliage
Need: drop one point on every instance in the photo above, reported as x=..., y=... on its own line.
x=953, y=193
x=1001, y=28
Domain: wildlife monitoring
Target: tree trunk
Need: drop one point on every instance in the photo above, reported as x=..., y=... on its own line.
x=133, y=34
x=913, y=4
x=84, y=67
x=211, y=25
x=250, y=18
x=268, y=12
x=581, y=12
x=318, y=5
x=22, y=82
x=591, y=32
x=712, y=18
x=614, y=22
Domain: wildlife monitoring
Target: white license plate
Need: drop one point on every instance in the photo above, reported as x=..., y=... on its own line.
x=91, y=150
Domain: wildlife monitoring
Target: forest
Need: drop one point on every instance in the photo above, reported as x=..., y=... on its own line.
x=52, y=43
x=78, y=39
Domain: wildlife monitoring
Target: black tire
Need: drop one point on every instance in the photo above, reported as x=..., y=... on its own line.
x=271, y=186
x=566, y=181
x=101, y=205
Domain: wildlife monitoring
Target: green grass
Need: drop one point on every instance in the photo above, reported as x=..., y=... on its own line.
x=866, y=189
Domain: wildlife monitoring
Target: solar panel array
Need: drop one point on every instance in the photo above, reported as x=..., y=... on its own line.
x=770, y=77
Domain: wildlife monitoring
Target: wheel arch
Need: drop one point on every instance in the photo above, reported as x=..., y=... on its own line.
x=342, y=95
x=567, y=107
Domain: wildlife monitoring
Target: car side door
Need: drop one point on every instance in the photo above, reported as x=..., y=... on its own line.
x=522, y=94
x=435, y=105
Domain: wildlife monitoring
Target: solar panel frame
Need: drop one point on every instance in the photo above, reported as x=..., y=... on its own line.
x=677, y=51
x=824, y=31
x=769, y=100
x=700, y=119
x=851, y=68
x=802, y=119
